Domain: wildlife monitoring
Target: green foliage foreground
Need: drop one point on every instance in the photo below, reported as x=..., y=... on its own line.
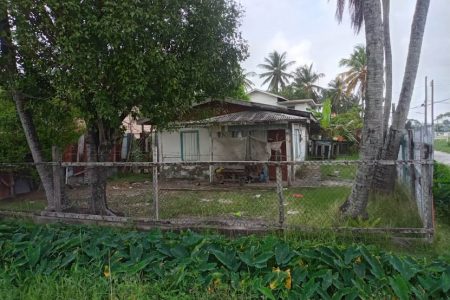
x=80, y=262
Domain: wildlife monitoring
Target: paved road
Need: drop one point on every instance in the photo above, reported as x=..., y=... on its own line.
x=442, y=157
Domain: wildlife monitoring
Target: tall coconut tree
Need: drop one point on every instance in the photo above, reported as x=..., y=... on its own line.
x=385, y=176
x=337, y=93
x=388, y=66
x=370, y=12
x=355, y=78
x=277, y=74
x=306, y=80
x=248, y=83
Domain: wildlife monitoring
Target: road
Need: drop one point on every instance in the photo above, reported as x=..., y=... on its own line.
x=442, y=157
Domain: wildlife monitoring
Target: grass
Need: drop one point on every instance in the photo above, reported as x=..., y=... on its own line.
x=121, y=177
x=23, y=204
x=442, y=145
x=338, y=172
x=81, y=283
x=304, y=206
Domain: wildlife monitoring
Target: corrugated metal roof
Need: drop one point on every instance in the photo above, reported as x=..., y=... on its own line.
x=253, y=117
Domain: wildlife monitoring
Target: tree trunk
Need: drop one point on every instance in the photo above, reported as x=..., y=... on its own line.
x=45, y=173
x=356, y=204
x=388, y=67
x=97, y=152
x=386, y=175
x=10, y=68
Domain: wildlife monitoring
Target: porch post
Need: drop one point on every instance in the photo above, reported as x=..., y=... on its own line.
x=211, y=156
x=289, y=155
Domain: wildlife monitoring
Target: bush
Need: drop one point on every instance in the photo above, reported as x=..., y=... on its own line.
x=441, y=191
x=247, y=267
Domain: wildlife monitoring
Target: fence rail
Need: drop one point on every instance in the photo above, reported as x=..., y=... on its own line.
x=245, y=195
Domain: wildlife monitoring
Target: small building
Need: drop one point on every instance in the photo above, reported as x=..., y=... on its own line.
x=236, y=130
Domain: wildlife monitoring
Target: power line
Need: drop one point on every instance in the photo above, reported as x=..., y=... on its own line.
x=423, y=104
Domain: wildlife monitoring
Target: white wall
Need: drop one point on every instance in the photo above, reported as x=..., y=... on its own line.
x=263, y=98
x=302, y=149
x=302, y=106
x=170, y=147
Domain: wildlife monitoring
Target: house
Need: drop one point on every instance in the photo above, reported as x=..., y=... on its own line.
x=236, y=130
x=263, y=97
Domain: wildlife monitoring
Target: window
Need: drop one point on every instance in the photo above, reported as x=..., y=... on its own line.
x=190, y=146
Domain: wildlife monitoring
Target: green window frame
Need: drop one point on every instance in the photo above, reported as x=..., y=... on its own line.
x=190, y=145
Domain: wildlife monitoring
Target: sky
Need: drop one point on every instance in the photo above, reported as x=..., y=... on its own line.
x=308, y=31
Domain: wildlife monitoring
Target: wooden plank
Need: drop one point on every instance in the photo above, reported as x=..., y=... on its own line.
x=199, y=225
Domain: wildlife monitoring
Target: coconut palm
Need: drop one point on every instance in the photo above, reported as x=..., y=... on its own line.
x=306, y=80
x=276, y=67
x=340, y=100
x=385, y=176
x=248, y=84
x=369, y=12
x=355, y=78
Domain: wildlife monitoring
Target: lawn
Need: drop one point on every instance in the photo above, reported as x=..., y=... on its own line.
x=303, y=206
x=442, y=145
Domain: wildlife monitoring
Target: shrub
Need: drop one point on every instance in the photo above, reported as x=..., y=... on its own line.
x=441, y=191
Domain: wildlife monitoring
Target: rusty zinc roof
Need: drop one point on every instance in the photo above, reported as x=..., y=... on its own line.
x=252, y=117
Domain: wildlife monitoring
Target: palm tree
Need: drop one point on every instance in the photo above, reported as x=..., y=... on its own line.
x=306, y=79
x=355, y=78
x=248, y=84
x=337, y=93
x=369, y=12
x=357, y=19
x=385, y=176
x=276, y=67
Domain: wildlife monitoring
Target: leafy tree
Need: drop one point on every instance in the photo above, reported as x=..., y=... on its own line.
x=55, y=128
x=305, y=79
x=109, y=58
x=276, y=67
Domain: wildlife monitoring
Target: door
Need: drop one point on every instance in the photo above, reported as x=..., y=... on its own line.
x=277, y=153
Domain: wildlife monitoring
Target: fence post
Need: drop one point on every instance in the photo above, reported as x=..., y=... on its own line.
x=427, y=179
x=155, y=193
x=57, y=179
x=280, y=195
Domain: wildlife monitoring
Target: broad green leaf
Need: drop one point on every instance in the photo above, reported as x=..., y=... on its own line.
x=266, y=292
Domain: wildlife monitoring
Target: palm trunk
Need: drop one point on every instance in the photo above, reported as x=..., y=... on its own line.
x=356, y=204
x=388, y=67
x=386, y=175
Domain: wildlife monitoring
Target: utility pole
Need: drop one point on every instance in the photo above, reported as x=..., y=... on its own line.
x=426, y=102
x=432, y=105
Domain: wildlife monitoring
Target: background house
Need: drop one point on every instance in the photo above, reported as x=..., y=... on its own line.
x=235, y=130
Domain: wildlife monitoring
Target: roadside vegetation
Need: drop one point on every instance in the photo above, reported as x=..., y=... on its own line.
x=442, y=145
x=97, y=263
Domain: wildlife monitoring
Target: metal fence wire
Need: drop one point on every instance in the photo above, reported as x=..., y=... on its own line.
x=244, y=195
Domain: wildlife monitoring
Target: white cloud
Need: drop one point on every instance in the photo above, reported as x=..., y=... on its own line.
x=299, y=51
